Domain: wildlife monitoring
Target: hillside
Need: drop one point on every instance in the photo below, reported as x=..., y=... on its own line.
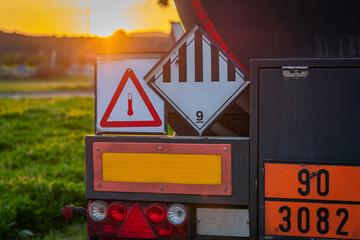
x=77, y=49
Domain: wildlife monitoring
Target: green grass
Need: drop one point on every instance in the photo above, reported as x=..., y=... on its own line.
x=37, y=85
x=42, y=165
x=75, y=231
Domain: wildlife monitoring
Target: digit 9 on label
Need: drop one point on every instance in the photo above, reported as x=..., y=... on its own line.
x=199, y=116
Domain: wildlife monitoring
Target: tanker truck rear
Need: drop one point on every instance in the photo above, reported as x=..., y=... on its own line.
x=263, y=98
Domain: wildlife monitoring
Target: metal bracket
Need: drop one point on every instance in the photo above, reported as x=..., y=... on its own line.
x=295, y=71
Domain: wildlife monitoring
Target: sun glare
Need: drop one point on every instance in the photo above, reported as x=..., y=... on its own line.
x=82, y=17
x=138, y=15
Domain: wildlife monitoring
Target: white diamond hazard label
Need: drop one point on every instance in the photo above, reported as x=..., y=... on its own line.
x=198, y=79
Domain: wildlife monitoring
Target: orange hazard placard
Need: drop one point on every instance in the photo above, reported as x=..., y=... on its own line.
x=307, y=181
x=307, y=219
x=312, y=200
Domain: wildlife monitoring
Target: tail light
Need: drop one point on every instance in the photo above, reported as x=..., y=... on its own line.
x=176, y=214
x=136, y=225
x=117, y=212
x=156, y=214
x=137, y=220
x=98, y=210
x=67, y=212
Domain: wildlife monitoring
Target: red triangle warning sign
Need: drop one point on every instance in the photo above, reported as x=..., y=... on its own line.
x=136, y=226
x=156, y=122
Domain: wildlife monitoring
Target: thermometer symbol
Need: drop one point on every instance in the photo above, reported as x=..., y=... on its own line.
x=130, y=111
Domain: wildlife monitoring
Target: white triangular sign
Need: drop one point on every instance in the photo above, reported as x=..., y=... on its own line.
x=124, y=101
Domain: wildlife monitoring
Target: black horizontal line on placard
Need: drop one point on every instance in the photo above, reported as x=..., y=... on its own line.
x=310, y=200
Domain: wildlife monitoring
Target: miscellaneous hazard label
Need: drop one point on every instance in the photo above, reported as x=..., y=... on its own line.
x=197, y=79
x=311, y=200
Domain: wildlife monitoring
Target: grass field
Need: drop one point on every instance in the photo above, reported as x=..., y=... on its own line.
x=75, y=231
x=58, y=84
x=42, y=166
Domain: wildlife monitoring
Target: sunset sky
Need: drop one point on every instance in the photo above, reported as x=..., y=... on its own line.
x=69, y=17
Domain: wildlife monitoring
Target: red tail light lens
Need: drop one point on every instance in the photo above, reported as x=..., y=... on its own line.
x=165, y=231
x=115, y=220
x=136, y=225
x=117, y=212
x=156, y=214
x=67, y=212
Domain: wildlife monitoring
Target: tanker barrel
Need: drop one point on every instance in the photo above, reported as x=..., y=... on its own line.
x=278, y=28
x=247, y=30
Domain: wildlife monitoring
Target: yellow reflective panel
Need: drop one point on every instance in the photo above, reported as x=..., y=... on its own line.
x=162, y=168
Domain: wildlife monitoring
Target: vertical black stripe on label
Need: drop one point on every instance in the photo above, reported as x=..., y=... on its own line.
x=198, y=57
x=152, y=79
x=214, y=64
x=231, y=72
x=166, y=72
x=182, y=63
